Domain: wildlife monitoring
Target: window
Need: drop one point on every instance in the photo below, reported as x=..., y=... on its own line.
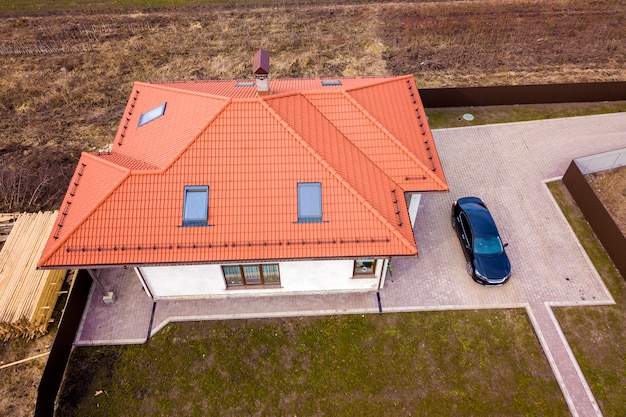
x=309, y=202
x=250, y=275
x=245, y=84
x=488, y=246
x=150, y=115
x=329, y=83
x=467, y=231
x=364, y=268
x=196, y=206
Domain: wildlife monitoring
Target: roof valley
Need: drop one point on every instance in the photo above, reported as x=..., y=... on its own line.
x=382, y=219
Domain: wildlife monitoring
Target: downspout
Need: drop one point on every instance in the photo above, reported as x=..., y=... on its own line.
x=383, y=273
x=381, y=282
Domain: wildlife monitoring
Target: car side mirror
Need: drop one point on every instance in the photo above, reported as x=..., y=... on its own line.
x=505, y=245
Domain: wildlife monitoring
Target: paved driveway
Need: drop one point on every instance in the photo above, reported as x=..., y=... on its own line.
x=506, y=165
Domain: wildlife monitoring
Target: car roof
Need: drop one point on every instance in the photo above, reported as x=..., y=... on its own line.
x=480, y=219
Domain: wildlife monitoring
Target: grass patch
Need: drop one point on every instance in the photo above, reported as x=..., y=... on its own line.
x=453, y=117
x=432, y=363
x=596, y=334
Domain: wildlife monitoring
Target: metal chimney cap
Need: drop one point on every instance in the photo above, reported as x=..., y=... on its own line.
x=261, y=63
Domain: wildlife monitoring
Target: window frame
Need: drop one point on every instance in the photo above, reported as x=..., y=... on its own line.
x=467, y=231
x=195, y=221
x=308, y=218
x=242, y=275
x=152, y=114
x=360, y=274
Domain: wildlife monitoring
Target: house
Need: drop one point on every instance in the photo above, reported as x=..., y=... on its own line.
x=248, y=187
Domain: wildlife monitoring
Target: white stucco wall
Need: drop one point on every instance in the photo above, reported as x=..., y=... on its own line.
x=200, y=281
x=413, y=203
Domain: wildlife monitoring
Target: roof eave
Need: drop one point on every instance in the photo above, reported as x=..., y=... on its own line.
x=233, y=261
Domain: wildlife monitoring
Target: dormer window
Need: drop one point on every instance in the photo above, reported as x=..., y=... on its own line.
x=196, y=205
x=309, y=202
x=150, y=115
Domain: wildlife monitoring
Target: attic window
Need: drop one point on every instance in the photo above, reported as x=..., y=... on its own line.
x=245, y=84
x=309, y=202
x=196, y=205
x=150, y=115
x=330, y=83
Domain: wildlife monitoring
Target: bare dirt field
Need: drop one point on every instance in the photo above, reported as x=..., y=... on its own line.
x=65, y=77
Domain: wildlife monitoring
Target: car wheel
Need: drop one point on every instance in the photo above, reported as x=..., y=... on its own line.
x=470, y=269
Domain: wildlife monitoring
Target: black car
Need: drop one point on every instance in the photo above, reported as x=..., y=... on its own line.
x=487, y=262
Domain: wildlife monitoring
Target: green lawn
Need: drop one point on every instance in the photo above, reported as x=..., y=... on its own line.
x=460, y=363
x=596, y=334
x=453, y=117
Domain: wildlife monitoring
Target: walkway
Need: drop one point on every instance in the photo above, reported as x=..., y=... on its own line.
x=506, y=165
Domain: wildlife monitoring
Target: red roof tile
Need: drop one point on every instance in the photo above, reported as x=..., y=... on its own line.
x=252, y=152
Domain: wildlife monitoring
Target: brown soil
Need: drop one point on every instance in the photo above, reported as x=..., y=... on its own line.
x=65, y=77
x=610, y=187
x=19, y=383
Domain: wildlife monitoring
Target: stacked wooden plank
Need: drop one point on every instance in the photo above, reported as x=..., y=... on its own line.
x=7, y=221
x=27, y=295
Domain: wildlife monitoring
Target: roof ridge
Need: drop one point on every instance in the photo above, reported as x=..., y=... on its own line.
x=181, y=90
x=105, y=197
x=382, y=80
x=391, y=136
x=336, y=174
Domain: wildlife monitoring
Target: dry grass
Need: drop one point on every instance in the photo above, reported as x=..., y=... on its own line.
x=507, y=43
x=65, y=77
x=610, y=187
x=19, y=383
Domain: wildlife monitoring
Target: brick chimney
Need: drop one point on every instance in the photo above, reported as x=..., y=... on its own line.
x=261, y=69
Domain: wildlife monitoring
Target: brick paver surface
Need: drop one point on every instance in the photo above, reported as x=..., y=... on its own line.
x=573, y=384
x=506, y=165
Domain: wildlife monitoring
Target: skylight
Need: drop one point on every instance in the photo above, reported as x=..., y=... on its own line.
x=309, y=202
x=329, y=83
x=245, y=84
x=150, y=115
x=196, y=205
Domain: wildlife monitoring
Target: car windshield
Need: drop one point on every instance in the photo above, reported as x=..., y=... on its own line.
x=487, y=246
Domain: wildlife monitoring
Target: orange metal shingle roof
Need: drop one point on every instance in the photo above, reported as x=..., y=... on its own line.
x=366, y=141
